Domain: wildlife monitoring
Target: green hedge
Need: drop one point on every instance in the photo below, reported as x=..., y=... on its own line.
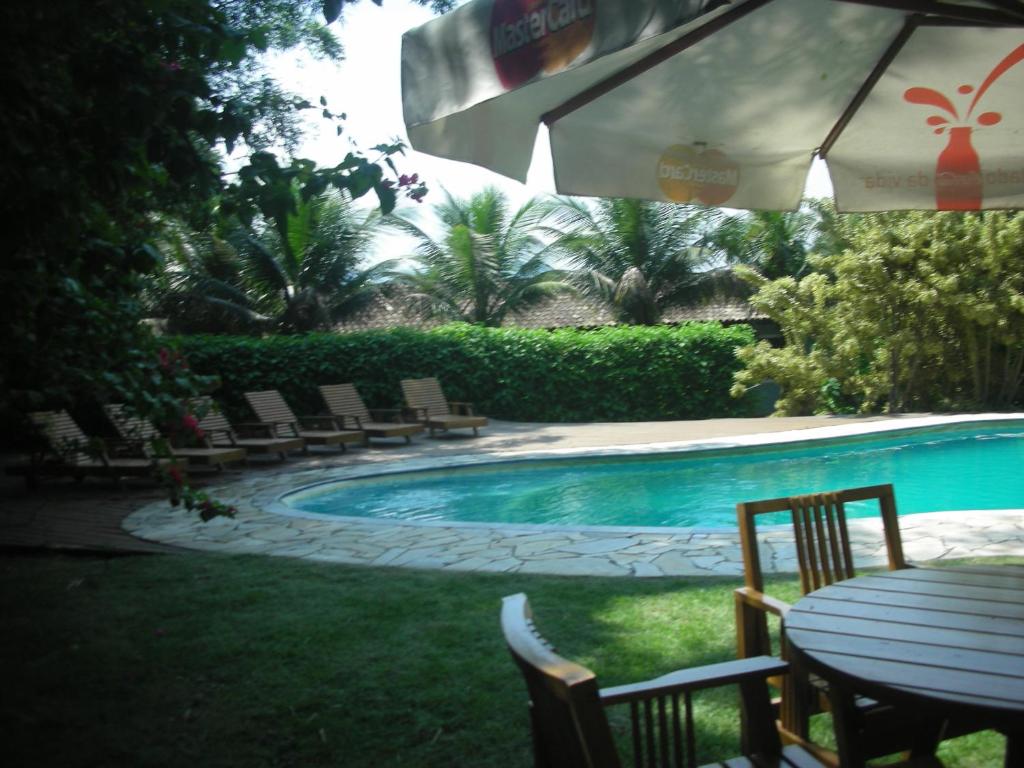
x=610, y=374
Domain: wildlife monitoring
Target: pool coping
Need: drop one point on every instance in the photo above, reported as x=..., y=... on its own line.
x=265, y=525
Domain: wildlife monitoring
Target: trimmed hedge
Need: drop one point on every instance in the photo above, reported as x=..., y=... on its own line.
x=612, y=374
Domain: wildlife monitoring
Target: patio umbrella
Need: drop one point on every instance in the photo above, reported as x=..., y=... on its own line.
x=914, y=104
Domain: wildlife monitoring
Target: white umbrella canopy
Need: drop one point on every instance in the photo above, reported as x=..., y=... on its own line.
x=913, y=104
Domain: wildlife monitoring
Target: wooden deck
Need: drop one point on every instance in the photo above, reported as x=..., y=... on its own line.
x=63, y=515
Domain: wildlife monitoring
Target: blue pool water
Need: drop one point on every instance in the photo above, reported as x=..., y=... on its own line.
x=945, y=468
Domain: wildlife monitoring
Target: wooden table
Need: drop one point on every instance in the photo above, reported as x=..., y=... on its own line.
x=946, y=640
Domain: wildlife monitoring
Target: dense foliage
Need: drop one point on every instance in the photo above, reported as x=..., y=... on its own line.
x=641, y=257
x=233, y=278
x=914, y=311
x=611, y=374
x=113, y=123
x=488, y=262
x=774, y=243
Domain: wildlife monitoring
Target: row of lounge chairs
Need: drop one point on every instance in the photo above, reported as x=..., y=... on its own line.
x=277, y=430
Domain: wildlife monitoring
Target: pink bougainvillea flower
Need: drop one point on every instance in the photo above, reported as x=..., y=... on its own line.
x=174, y=473
x=191, y=424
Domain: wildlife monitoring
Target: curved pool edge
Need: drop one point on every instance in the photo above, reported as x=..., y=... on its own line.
x=261, y=527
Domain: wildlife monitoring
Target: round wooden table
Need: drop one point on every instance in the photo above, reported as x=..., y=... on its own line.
x=948, y=640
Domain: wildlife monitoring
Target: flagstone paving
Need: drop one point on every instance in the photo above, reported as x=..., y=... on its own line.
x=260, y=527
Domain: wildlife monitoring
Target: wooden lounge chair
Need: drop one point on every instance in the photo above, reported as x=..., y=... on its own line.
x=270, y=408
x=571, y=730
x=66, y=454
x=425, y=398
x=824, y=556
x=347, y=407
x=137, y=428
x=259, y=438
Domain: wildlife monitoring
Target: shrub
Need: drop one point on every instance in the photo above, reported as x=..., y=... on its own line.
x=610, y=374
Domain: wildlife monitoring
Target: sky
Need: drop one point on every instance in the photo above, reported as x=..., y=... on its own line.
x=367, y=87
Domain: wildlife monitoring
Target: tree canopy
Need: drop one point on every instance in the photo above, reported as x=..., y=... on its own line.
x=640, y=256
x=488, y=262
x=918, y=310
x=114, y=123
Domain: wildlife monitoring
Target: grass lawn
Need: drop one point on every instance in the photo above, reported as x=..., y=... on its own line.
x=255, y=661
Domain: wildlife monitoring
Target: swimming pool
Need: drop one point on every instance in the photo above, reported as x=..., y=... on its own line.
x=964, y=466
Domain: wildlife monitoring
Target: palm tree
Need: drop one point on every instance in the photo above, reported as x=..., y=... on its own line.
x=640, y=256
x=201, y=287
x=488, y=262
x=306, y=271
x=775, y=243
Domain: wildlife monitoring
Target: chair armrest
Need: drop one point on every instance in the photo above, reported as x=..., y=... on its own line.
x=698, y=678
x=226, y=431
x=343, y=420
x=387, y=414
x=255, y=429
x=464, y=408
x=108, y=448
x=761, y=601
x=418, y=412
x=318, y=422
x=275, y=427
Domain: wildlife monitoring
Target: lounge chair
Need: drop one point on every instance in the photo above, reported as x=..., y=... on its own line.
x=259, y=438
x=345, y=404
x=425, y=398
x=571, y=730
x=66, y=454
x=270, y=408
x=137, y=428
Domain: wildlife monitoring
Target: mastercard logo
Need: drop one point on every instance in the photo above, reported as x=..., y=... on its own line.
x=533, y=36
x=686, y=174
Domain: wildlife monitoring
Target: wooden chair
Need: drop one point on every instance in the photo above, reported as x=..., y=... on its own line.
x=66, y=453
x=824, y=555
x=254, y=438
x=271, y=409
x=571, y=730
x=138, y=428
x=345, y=404
x=425, y=398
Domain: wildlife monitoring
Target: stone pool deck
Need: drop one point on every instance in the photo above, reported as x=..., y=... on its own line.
x=264, y=526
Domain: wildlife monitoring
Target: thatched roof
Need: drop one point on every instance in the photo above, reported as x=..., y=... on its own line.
x=395, y=309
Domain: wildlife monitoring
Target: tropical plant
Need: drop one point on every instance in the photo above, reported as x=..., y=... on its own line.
x=201, y=287
x=775, y=243
x=921, y=310
x=81, y=184
x=488, y=262
x=310, y=274
x=640, y=256
x=234, y=279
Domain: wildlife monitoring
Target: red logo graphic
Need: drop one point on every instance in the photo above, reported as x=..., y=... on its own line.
x=684, y=174
x=958, y=181
x=530, y=36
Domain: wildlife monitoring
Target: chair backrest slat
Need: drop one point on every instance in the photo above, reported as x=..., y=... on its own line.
x=344, y=400
x=269, y=406
x=64, y=436
x=130, y=427
x=425, y=393
x=820, y=534
x=213, y=419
